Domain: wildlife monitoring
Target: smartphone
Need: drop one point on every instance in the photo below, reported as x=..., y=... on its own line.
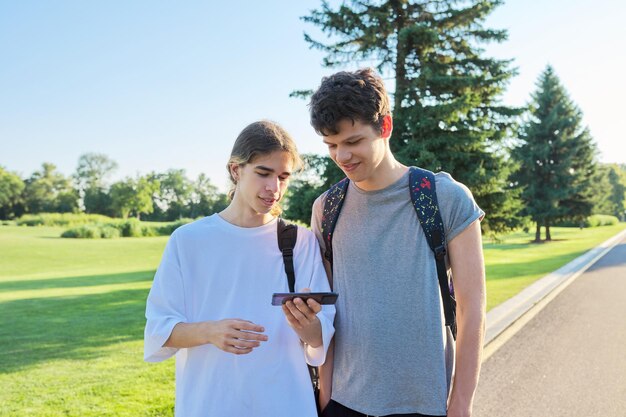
x=281, y=298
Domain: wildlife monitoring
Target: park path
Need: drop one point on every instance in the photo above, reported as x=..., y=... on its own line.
x=570, y=359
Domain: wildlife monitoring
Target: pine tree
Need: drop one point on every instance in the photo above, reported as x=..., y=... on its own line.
x=557, y=157
x=446, y=111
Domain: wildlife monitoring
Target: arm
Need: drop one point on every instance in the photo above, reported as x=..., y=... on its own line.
x=326, y=369
x=230, y=335
x=466, y=261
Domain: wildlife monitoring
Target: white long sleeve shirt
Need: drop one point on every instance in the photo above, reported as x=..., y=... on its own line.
x=213, y=270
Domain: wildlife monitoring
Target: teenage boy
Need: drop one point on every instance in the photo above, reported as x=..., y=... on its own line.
x=393, y=354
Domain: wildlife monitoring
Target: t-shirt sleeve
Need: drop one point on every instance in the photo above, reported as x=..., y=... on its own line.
x=311, y=273
x=316, y=219
x=457, y=205
x=165, y=306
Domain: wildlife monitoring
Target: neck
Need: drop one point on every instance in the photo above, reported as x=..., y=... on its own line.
x=242, y=216
x=385, y=174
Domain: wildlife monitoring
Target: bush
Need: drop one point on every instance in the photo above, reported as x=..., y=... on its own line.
x=108, y=231
x=123, y=228
x=602, y=220
x=169, y=228
x=592, y=221
x=130, y=228
x=61, y=219
x=84, y=232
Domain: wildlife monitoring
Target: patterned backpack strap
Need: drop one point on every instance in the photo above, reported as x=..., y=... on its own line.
x=332, y=207
x=424, y=199
x=287, y=237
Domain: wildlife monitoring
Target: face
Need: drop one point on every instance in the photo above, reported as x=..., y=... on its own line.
x=262, y=182
x=358, y=149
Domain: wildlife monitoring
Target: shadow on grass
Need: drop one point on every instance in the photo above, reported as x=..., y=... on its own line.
x=80, y=281
x=69, y=327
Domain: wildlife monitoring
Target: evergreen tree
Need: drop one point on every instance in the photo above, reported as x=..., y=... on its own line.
x=319, y=174
x=446, y=110
x=557, y=156
x=609, y=189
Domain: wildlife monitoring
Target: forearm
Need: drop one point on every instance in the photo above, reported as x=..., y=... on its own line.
x=186, y=335
x=471, y=329
x=326, y=375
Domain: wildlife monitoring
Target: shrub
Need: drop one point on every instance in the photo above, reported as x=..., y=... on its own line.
x=83, y=232
x=169, y=228
x=123, y=228
x=130, y=228
x=61, y=219
x=595, y=220
x=602, y=220
x=108, y=231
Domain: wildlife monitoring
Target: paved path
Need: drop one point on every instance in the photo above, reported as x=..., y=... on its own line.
x=570, y=359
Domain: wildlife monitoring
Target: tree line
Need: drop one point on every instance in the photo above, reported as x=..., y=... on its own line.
x=536, y=163
x=156, y=196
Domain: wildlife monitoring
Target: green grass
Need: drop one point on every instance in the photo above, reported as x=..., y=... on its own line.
x=71, y=336
x=72, y=328
x=516, y=262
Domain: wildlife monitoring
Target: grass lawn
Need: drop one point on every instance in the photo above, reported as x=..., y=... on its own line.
x=516, y=262
x=73, y=314
x=72, y=328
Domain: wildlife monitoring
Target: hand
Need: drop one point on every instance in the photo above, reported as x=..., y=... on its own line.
x=302, y=317
x=235, y=335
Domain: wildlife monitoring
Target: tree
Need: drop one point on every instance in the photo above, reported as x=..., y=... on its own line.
x=557, y=156
x=609, y=191
x=174, y=195
x=319, y=174
x=11, y=188
x=133, y=196
x=205, y=198
x=49, y=191
x=91, y=181
x=446, y=110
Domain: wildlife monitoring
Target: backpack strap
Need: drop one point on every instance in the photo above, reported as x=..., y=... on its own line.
x=424, y=199
x=287, y=236
x=332, y=207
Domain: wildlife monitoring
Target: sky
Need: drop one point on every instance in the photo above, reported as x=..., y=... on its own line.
x=157, y=85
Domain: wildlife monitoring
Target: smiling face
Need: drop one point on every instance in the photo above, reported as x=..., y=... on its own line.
x=358, y=149
x=261, y=183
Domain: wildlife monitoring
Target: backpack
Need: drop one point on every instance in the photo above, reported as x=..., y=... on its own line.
x=424, y=199
x=287, y=237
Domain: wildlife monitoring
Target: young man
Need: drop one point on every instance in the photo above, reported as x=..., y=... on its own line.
x=393, y=354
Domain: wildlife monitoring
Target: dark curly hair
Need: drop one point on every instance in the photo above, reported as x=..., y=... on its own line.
x=357, y=96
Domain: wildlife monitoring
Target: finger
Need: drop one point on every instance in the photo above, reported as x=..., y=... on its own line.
x=314, y=305
x=304, y=308
x=295, y=311
x=293, y=322
x=244, y=335
x=237, y=351
x=305, y=290
x=240, y=343
x=248, y=326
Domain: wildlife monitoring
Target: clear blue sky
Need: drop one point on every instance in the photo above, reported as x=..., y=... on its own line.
x=158, y=85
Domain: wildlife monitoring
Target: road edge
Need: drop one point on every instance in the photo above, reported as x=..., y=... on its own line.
x=506, y=319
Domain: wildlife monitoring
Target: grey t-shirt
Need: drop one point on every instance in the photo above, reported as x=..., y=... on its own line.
x=393, y=353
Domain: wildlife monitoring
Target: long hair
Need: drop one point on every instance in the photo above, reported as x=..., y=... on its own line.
x=257, y=139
